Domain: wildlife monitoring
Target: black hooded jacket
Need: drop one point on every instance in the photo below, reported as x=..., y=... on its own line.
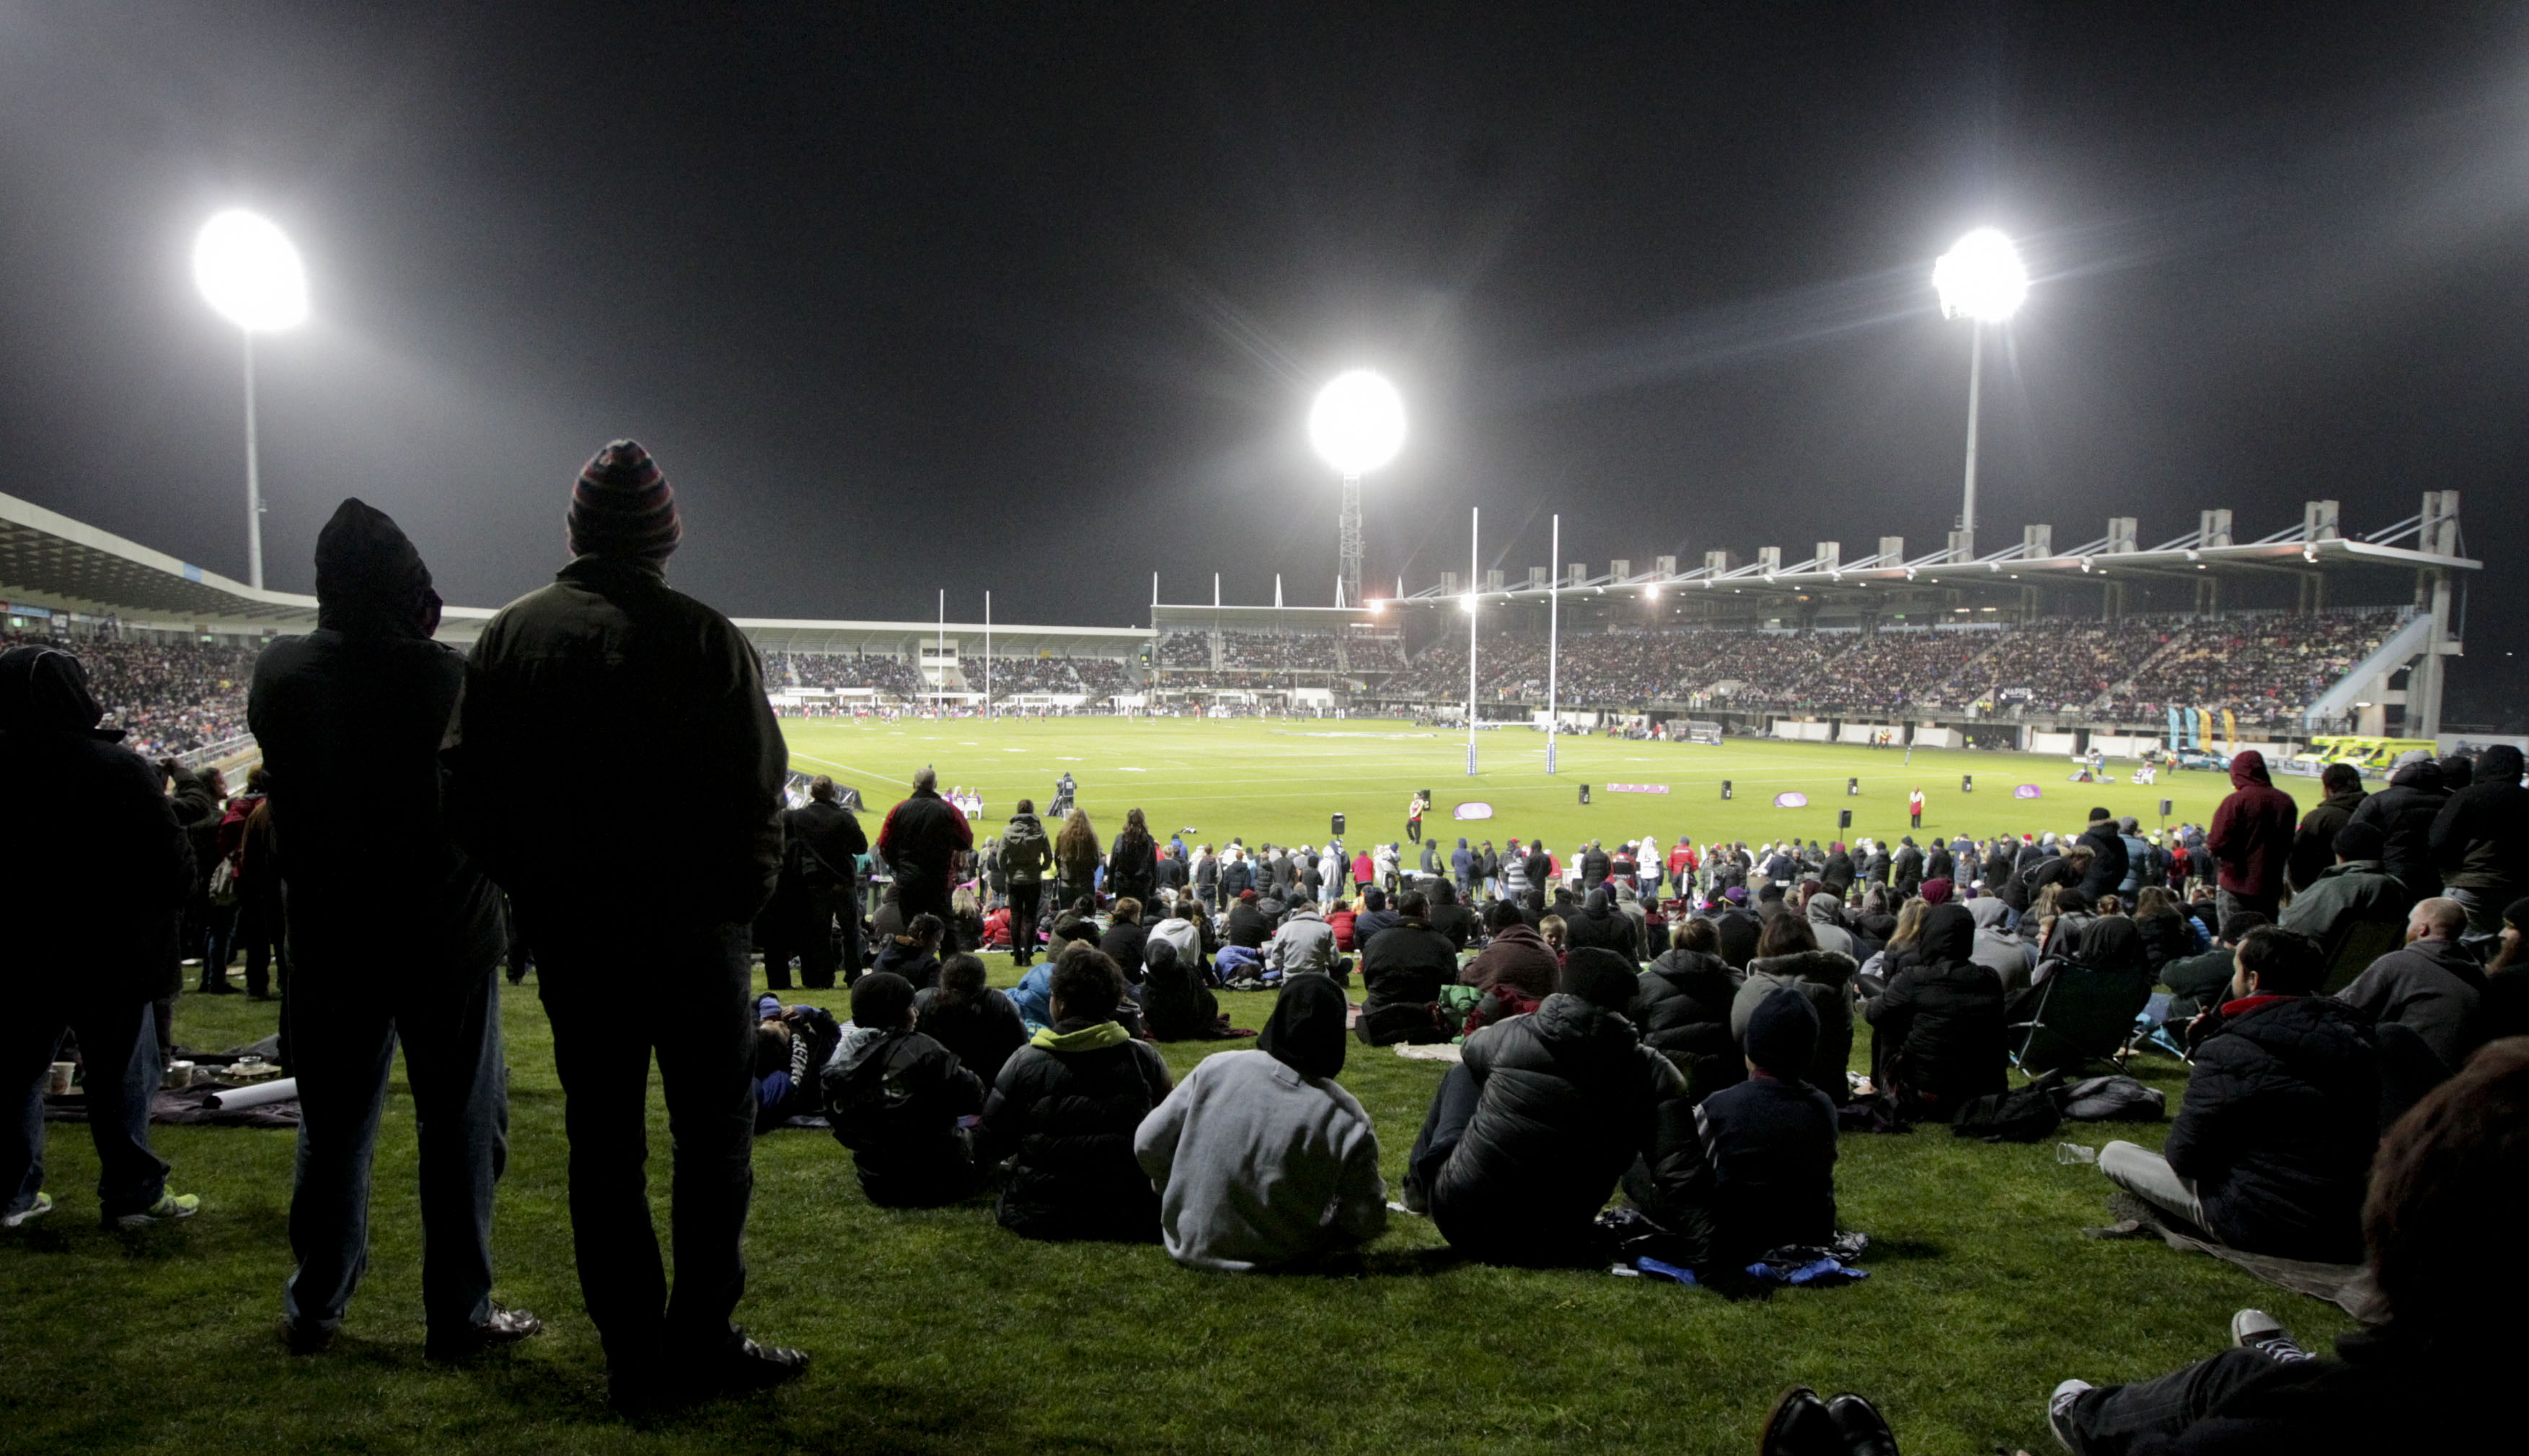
x=351, y=718
x=1683, y=1011
x=1941, y=1018
x=2108, y=860
x=1065, y=1115
x=2481, y=837
x=2405, y=812
x=1402, y=972
x=1568, y=1097
x=896, y=1103
x=90, y=821
x=2281, y=1117
x=1306, y=1032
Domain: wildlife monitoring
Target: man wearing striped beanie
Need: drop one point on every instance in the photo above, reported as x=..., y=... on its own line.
x=619, y=773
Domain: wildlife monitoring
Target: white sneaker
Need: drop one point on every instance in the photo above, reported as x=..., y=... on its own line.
x=2255, y=1330
x=42, y=1205
x=2059, y=1405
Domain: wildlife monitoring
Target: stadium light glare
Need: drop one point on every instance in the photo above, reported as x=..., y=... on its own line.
x=249, y=273
x=251, y=276
x=1357, y=423
x=1981, y=278
x=1467, y=602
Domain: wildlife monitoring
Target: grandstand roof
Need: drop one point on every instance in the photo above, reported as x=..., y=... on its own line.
x=49, y=560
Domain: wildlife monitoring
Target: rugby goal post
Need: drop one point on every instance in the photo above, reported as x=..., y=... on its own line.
x=1699, y=731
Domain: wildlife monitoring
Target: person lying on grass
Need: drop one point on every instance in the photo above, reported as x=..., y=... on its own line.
x=791, y=1045
x=1064, y=1110
x=897, y=1099
x=1530, y=1132
x=1259, y=1158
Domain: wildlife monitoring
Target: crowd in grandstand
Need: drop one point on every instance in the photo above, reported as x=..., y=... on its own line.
x=836, y=670
x=2267, y=667
x=169, y=698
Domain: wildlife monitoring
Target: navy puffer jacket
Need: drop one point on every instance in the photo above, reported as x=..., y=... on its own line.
x=2279, y=1126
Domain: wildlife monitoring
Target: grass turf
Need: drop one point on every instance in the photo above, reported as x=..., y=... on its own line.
x=937, y=1331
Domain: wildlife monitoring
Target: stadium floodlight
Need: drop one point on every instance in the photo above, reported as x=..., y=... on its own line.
x=251, y=275
x=1356, y=425
x=1982, y=281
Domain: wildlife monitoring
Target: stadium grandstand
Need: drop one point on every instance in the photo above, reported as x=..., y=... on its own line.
x=2303, y=631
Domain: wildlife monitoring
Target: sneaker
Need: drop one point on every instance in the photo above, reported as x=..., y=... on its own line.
x=504, y=1327
x=747, y=1366
x=2059, y=1410
x=168, y=1207
x=2255, y=1330
x=42, y=1205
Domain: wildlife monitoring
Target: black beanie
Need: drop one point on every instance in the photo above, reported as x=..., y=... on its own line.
x=2361, y=840
x=1601, y=977
x=1782, y=1033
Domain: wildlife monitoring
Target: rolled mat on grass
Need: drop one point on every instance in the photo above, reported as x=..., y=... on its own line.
x=185, y=1104
x=2347, y=1286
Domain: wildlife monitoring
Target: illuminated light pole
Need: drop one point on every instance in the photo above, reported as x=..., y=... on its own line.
x=1553, y=639
x=1475, y=555
x=1356, y=425
x=247, y=271
x=1982, y=281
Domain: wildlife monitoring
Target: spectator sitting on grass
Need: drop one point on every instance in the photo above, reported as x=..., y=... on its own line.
x=791, y=1045
x=1771, y=1141
x=1305, y=943
x=2432, y=986
x=1064, y=1109
x=895, y=1100
x=1531, y=1131
x=1126, y=938
x=1176, y=1005
x=1518, y=957
x=1260, y=1157
x=1788, y=956
x=1248, y=927
x=2450, y=1177
x=969, y=1018
x=914, y=956
x=1453, y=915
x=1940, y=1022
x=1682, y=1008
x=1375, y=917
x=2269, y=1150
x=1402, y=973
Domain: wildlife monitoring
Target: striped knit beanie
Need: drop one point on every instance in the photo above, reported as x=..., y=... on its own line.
x=623, y=507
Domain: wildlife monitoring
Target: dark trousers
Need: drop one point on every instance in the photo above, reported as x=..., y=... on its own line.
x=2112, y=1420
x=258, y=930
x=121, y=1051
x=345, y=1024
x=518, y=956
x=219, y=944
x=801, y=925
x=1414, y=830
x=1453, y=1106
x=1024, y=896
x=922, y=895
x=616, y=990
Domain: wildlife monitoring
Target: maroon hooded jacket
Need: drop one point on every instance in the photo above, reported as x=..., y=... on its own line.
x=2252, y=831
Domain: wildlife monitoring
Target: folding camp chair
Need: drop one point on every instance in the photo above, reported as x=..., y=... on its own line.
x=2079, y=1015
x=2151, y=1029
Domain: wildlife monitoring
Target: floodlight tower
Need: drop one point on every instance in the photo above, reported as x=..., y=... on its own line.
x=1357, y=424
x=249, y=273
x=1982, y=281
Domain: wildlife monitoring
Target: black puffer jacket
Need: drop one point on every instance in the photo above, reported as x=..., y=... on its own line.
x=1598, y=923
x=2108, y=860
x=1568, y=1097
x=896, y=1102
x=2404, y=811
x=2280, y=1121
x=1827, y=979
x=1402, y=973
x=2481, y=838
x=1941, y=1018
x=1064, y=1111
x=981, y=1033
x=1683, y=1011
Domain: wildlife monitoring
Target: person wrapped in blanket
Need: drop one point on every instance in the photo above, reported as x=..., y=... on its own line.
x=790, y=1043
x=902, y=1103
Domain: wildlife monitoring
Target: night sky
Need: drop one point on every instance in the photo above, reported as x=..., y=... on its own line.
x=1033, y=298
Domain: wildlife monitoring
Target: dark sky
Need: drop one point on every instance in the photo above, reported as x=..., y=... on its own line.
x=1034, y=296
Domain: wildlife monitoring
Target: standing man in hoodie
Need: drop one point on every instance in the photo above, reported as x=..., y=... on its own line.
x=1026, y=854
x=638, y=907
x=2252, y=839
x=352, y=716
x=2479, y=839
x=105, y=937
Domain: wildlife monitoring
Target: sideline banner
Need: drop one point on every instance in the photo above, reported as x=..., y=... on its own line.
x=1471, y=811
x=1637, y=788
x=1791, y=799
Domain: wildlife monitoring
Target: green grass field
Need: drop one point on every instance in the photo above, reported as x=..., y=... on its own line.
x=1279, y=781
x=937, y=1331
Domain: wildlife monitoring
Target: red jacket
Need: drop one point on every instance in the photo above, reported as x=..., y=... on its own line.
x=2252, y=831
x=1342, y=921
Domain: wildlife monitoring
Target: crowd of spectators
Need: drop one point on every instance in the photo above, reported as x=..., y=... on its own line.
x=1185, y=650
x=834, y=670
x=2266, y=668
x=169, y=698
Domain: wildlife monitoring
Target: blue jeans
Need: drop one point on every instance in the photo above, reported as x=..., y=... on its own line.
x=120, y=1044
x=618, y=989
x=344, y=1026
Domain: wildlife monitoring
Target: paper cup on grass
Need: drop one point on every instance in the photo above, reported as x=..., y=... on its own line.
x=57, y=1082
